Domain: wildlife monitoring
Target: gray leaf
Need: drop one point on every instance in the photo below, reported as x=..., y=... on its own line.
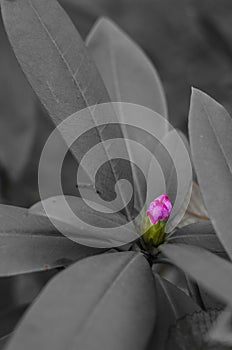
x=210, y=129
x=199, y=234
x=209, y=270
x=17, y=112
x=99, y=230
x=56, y=63
x=172, y=304
x=127, y=72
x=93, y=305
x=31, y=243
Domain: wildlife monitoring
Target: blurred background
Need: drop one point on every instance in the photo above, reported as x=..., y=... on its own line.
x=190, y=44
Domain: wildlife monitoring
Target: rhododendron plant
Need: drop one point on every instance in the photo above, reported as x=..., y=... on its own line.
x=164, y=288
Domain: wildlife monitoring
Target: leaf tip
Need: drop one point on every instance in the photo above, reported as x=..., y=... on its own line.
x=196, y=97
x=195, y=92
x=103, y=22
x=201, y=95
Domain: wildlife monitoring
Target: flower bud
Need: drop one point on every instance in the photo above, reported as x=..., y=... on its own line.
x=153, y=224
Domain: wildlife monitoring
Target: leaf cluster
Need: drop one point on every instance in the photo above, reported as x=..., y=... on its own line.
x=117, y=298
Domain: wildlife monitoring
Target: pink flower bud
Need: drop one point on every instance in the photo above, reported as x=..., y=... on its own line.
x=159, y=209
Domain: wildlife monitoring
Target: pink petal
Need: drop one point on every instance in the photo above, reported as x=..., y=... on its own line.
x=159, y=209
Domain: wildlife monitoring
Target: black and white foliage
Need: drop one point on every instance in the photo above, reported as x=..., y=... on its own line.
x=117, y=298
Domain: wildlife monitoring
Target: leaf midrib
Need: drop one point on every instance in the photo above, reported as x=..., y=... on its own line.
x=107, y=290
x=74, y=79
x=58, y=49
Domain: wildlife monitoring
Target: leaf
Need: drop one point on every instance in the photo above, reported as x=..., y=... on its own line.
x=17, y=112
x=210, y=128
x=64, y=68
x=173, y=304
x=209, y=270
x=57, y=65
x=30, y=243
x=93, y=305
x=200, y=234
x=130, y=77
x=90, y=225
x=196, y=211
x=127, y=72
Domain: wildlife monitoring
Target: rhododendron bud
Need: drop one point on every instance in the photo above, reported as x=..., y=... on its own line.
x=159, y=209
x=153, y=224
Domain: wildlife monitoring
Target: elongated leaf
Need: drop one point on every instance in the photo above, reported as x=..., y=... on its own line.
x=31, y=243
x=56, y=63
x=210, y=129
x=173, y=304
x=201, y=234
x=53, y=56
x=127, y=72
x=88, y=224
x=129, y=77
x=93, y=305
x=17, y=112
x=207, y=269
